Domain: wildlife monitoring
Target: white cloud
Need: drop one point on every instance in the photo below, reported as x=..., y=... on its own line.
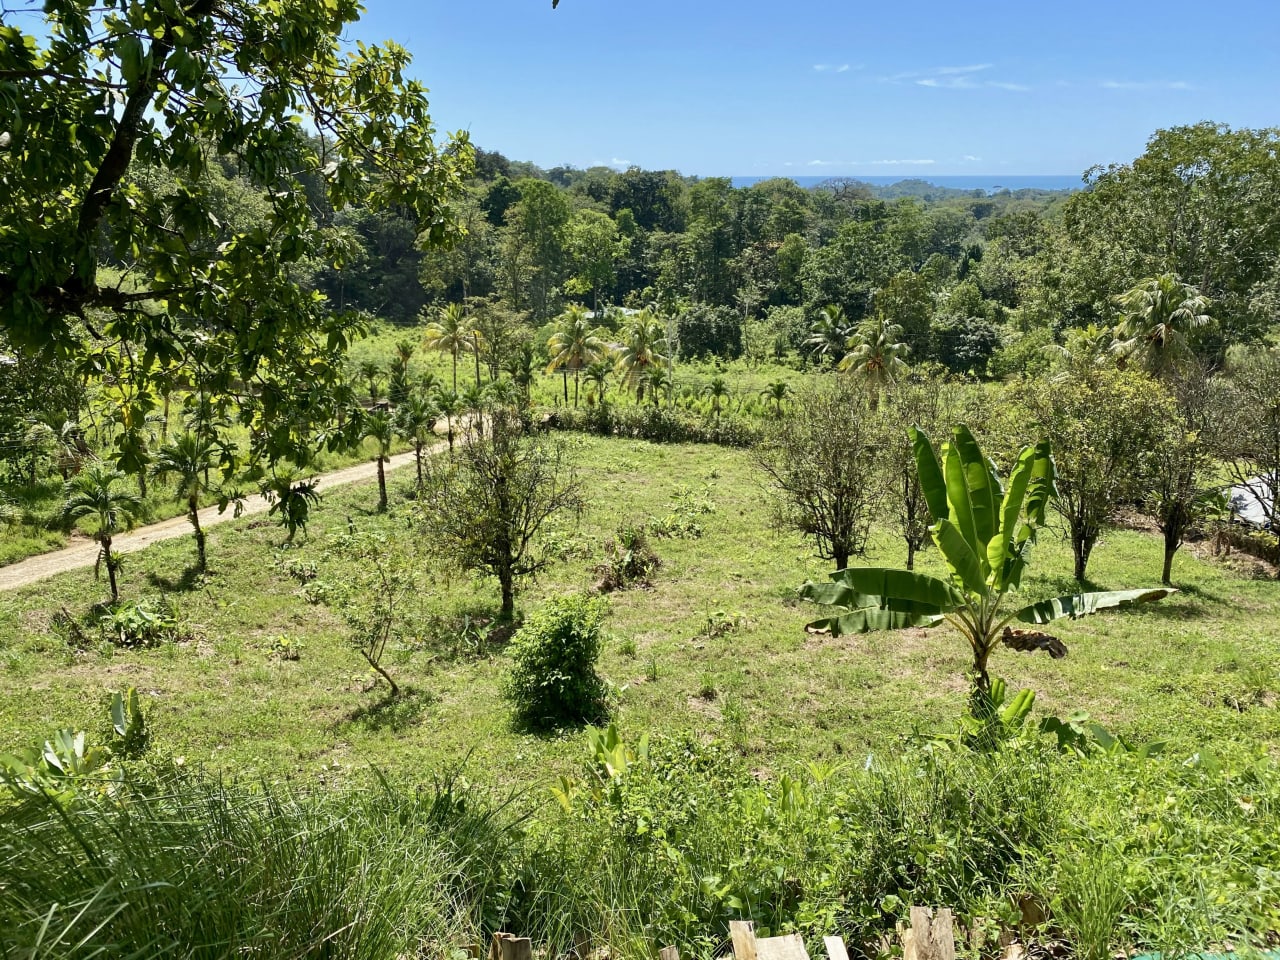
x=1145, y=85
x=974, y=68
x=953, y=78
x=832, y=68
x=864, y=163
x=970, y=158
x=612, y=162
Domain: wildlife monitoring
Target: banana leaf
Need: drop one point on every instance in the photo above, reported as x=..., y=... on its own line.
x=871, y=619
x=866, y=587
x=1079, y=605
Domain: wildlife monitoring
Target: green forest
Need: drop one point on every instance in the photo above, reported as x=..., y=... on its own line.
x=401, y=543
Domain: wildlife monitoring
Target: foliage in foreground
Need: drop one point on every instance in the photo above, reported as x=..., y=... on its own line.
x=658, y=845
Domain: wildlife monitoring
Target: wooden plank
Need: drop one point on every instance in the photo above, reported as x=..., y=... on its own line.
x=931, y=935
x=517, y=948
x=742, y=933
x=790, y=947
x=668, y=953
x=835, y=948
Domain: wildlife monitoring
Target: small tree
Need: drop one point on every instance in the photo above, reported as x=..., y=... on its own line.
x=820, y=465
x=95, y=493
x=375, y=585
x=379, y=427
x=1181, y=491
x=924, y=402
x=450, y=405
x=1247, y=411
x=486, y=508
x=415, y=422
x=189, y=458
x=777, y=391
x=1104, y=423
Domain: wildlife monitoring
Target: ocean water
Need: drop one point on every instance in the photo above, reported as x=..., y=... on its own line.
x=990, y=183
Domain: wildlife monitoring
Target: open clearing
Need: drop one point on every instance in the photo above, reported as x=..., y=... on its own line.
x=716, y=647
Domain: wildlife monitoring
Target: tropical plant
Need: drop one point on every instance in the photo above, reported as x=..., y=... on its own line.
x=95, y=493
x=189, y=458
x=875, y=356
x=1161, y=317
x=829, y=335
x=449, y=403
x=718, y=391
x=379, y=427
x=644, y=346
x=291, y=495
x=984, y=531
x=451, y=333
x=370, y=373
x=597, y=374
x=415, y=422
x=777, y=391
x=574, y=345
x=658, y=382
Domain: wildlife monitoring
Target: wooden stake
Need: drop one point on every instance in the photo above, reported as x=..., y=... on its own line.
x=835, y=948
x=790, y=947
x=668, y=953
x=743, y=935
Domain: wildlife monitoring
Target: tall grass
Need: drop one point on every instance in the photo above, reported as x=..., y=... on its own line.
x=1111, y=853
x=201, y=869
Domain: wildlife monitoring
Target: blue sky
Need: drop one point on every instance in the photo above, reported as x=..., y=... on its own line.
x=835, y=88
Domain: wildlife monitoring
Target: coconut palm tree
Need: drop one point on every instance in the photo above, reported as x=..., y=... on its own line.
x=450, y=405
x=875, y=356
x=574, y=345
x=718, y=391
x=451, y=333
x=644, y=347
x=658, y=382
x=370, y=372
x=189, y=458
x=1160, y=316
x=95, y=492
x=597, y=374
x=829, y=335
x=415, y=421
x=777, y=391
x=474, y=400
x=379, y=426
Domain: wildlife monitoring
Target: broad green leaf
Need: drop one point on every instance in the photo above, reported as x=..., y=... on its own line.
x=931, y=480
x=1006, y=544
x=866, y=621
x=901, y=585
x=1079, y=605
x=960, y=556
x=983, y=486
x=1043, y=486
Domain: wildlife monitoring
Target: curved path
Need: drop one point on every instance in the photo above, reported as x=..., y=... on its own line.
x=85, y=553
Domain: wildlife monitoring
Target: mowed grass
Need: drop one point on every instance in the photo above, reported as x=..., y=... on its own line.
x=716, y=647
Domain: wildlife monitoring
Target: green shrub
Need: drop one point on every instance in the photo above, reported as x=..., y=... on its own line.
x=628, y=560
x=554, y=679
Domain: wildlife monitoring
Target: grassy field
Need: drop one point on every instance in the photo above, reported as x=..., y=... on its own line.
x=715, y=648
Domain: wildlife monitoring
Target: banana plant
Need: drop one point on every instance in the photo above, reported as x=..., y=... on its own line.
x=984, y=529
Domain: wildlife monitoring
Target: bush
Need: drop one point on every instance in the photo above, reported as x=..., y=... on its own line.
x=628, y=559
x=554, y=680
x=657, y=425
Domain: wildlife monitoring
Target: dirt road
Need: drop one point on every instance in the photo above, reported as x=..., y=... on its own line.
x=85, y=553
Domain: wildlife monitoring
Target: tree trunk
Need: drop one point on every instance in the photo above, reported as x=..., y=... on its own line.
x=1171, y=544
x=508, y=596
x=1081, y=547
x=841, y=557
x=382, y=485
x=911, y=553
x=417, y=459
x=109, y=559
x=477, y=352
x=564, y=374
x=575, y=388
x=455, y=371
x=193, y=513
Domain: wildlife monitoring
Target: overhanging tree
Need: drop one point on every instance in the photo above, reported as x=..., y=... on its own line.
x=103, y=89
x=984, y=529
